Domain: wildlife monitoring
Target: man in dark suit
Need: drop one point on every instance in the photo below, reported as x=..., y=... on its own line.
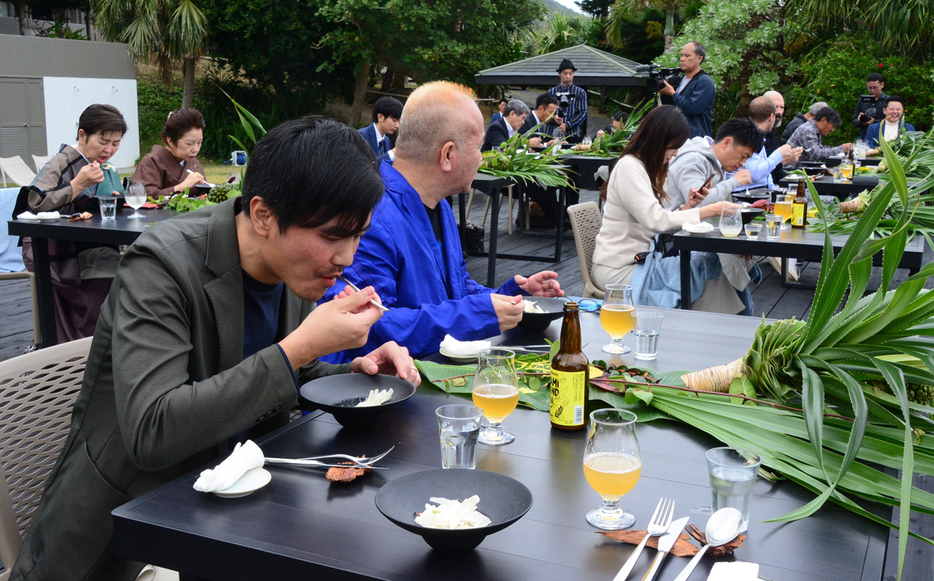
x=545, y=107
x=209, y=329
x=386, y=114
x=502, y=129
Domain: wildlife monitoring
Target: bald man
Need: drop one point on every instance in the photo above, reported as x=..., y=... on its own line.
x=773, y=138
x=411, y=255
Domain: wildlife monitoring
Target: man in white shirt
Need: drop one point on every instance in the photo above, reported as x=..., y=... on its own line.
x=891, y=127
x=545, y=107
x=386, y=114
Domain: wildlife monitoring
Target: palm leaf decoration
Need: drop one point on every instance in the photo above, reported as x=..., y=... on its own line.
x=515, y=160
x=613, y=144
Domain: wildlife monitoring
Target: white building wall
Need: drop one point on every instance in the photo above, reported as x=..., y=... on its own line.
x=67, y=97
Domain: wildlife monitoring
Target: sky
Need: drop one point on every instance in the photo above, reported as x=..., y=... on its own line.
x=572, y=4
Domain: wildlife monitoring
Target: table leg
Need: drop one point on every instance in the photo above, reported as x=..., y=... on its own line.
x=494, y=227
x=685, y=279
x=40, y=257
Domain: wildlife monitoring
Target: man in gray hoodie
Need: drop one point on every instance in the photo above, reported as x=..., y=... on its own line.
x=702, y=164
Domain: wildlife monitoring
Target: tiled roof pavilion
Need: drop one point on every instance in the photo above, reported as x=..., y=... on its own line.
x=595, y=68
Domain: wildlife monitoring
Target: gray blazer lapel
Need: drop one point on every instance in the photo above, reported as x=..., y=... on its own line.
x=226, y=291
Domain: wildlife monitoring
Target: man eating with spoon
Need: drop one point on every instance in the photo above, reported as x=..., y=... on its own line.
x=208, y=330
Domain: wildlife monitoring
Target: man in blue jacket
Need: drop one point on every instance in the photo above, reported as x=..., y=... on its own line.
x=411, y=254
x=386, y=114
x=696, y=94
x=892, y=126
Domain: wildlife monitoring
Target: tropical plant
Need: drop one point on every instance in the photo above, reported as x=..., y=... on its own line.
x=164, y=31
x=625, y=9
x=514, y=159
x=561, y=31
x=613, y=144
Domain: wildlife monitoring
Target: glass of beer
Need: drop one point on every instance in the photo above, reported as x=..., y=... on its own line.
x=616, y=316
x=612, y=465
x=783, y=209
x=496, y=392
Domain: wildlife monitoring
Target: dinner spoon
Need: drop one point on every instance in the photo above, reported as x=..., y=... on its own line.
x=722, y=527
x=374, y=302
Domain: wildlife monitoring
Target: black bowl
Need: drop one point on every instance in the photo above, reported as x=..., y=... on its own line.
x=750, y=213
x=553, y=308
x=502, y=499
x=751, y=196
x=200, y=189
x=338, y=394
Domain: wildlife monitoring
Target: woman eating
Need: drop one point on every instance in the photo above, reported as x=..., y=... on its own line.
x=81, y=273
x=174, y=168
x=634, y=214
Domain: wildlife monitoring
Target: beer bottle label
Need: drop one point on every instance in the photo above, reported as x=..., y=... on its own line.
x=797, y=214
x=567, y=397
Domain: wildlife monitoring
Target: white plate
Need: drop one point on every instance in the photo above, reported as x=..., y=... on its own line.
x=458, y=358
x=251, y=481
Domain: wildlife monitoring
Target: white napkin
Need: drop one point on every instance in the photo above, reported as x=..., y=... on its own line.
x=452, y=346
x=734, y=571
x=244, y=457
x=699, y=228
x=48, y=215
x=27, y=216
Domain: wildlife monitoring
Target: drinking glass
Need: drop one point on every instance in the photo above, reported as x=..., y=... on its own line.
x=612, y=465
x=135, y=198
x=783, y=209
x=459, y=425
x=731, y=222
x=616, y=316
x=586, y=141
x=496, y=392
x=732, y=473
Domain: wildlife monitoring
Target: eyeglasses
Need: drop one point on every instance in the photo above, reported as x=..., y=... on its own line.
x=590, y=305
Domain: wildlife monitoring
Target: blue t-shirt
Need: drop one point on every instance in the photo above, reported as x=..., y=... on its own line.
x=261, y=304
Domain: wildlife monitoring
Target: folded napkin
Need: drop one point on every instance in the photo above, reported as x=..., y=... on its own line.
x=452, y=346
x=734, y=571
x=27, y=216
x=699, y=228
x=244, y=457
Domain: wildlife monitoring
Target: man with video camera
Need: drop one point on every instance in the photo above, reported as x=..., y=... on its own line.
x=695, y=94
x=869, y=107
x=571, y=116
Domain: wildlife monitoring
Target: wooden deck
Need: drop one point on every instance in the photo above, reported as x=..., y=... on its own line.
x=771, y=300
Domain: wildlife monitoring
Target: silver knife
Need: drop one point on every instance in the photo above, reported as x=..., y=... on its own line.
x=665, y=543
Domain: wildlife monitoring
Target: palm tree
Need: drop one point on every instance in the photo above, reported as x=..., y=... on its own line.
x=164, y=31
x=561, y=31
x=622, y=9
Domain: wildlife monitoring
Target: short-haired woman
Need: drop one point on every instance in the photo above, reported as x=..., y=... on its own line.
x=68, y=183
x=174, y=167
x=634, y=213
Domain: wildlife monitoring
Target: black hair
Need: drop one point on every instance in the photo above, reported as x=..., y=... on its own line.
x=180, y=122
x=830, y=114
x=544, y=100
x=100, y=119
x=700, y=50
x=620, y=116
x=743, y=131
x=503, y=100
x=875, y=77
x=387, y=107
x=896, y=99
x=314, y=170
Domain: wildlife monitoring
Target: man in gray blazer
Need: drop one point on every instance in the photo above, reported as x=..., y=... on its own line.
x=208, y=331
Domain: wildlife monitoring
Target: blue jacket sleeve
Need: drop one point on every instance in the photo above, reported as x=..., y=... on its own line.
x=695, y=100
x=872, y=135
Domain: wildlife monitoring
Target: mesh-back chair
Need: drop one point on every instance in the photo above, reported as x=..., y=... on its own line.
x=37, y=393
x=16, y=170
x=40, y=160
x=585, y=222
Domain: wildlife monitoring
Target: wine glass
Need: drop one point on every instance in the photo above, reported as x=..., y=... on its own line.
x=612, y=465
x=496, y=392
x=616, y=316
x=135, y=198
x=731, y=222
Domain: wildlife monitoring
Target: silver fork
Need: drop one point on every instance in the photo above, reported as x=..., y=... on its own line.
x=358, y=460
x=373, y=302
x=659, y=523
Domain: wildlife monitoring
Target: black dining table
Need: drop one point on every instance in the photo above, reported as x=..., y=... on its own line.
x=826, y=185
x=794, y=243
x=121, y=230
x=300, y=526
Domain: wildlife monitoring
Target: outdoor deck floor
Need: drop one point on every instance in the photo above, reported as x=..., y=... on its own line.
x=771, y=300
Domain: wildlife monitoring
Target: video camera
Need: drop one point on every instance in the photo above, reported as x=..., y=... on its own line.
x=870, y=109
x=564, y=104
x=657, y=75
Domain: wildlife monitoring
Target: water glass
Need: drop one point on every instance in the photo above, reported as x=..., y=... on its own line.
x=459, y=426
x=135, y=198
x=732, y=474
x=648, y=328
x=612, y=465
x=496, y=391
x=616, y=317
x=731, y=222
x=752, y=230
x=108, y=208
x=774, y=226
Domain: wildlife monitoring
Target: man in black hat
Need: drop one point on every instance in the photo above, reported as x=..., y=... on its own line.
x=571, y=116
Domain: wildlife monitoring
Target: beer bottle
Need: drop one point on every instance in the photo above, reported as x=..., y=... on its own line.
x=570, y=376
x=799, y=208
